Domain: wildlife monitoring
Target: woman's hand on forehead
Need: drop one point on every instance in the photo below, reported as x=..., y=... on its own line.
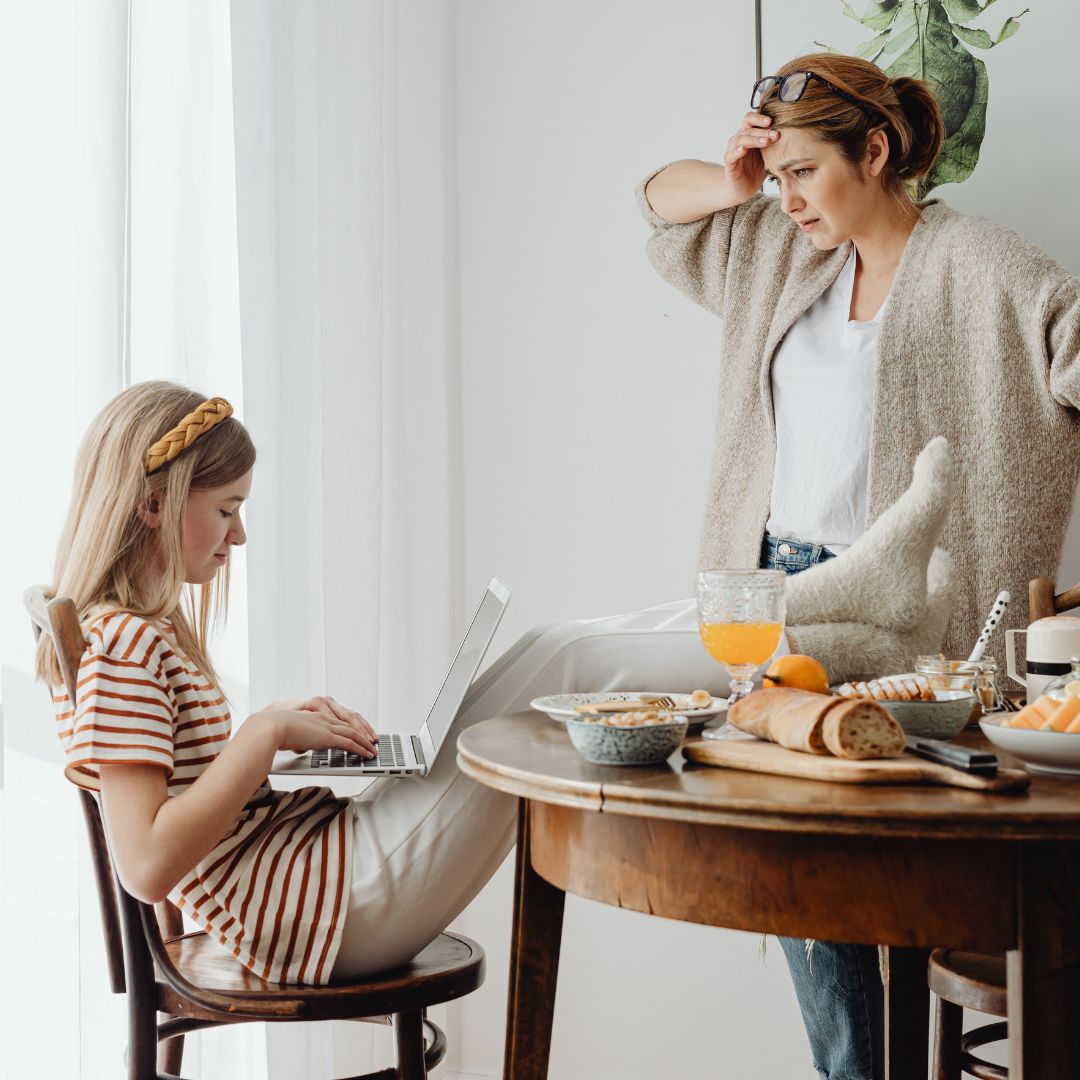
x=743, y=164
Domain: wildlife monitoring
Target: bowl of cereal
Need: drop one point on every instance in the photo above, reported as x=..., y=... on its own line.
x=644, y=737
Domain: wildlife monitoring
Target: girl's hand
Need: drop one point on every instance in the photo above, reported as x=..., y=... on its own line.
x=744, y=166
x=308, y=720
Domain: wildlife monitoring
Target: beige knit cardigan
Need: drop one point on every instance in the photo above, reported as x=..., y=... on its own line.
x=980, y=342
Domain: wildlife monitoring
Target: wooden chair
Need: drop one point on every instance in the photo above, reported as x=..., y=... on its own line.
x=195, y=984
x=962, y=980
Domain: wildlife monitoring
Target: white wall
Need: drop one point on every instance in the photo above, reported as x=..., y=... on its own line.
x=589, y=392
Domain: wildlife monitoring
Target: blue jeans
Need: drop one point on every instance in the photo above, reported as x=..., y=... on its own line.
x=838, y=986
x=791, y=556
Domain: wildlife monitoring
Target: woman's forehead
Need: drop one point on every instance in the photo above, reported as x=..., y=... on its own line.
x=793, y=145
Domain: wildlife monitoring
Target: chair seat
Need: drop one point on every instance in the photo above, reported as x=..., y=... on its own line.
x=971, y=980
x=222, y=989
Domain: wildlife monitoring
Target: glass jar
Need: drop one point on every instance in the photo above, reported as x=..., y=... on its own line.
x=1059, y=688
x=978, y=677
x=986, y=689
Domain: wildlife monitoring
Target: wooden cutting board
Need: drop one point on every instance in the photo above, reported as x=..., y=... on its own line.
x=757, y=755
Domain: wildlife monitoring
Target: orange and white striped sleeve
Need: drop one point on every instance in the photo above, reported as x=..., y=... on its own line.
x=125, y=708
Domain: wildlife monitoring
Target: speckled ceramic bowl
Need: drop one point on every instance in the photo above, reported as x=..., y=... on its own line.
x=647, y=744
x=944, y=718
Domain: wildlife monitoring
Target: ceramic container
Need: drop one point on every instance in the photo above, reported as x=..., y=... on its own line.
x=645, y=744
x=944, y=718
x=1040, y=751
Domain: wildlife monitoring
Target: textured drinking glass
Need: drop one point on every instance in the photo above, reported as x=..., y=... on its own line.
x=741, y=619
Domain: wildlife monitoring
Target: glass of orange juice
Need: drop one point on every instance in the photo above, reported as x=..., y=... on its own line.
x=741, y=619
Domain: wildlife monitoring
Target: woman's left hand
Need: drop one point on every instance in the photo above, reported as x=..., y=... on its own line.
x=329, y=708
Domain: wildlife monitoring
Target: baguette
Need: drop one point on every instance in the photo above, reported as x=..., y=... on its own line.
x=792, y=718
x=861, y=729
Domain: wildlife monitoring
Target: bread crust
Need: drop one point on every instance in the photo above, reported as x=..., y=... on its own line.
x=783, y=715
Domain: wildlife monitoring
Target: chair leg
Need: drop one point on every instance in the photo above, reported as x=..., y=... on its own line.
x=948, y=1028
x=409, y=1036
x=142, y=1044
x=171, y=1055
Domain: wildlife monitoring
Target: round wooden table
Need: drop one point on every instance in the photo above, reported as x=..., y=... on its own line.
x=911, y=868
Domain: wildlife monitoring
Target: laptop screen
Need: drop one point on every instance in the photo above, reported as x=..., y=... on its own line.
x=467, y=661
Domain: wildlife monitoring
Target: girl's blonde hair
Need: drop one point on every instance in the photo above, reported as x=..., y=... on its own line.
x=108, y=557
x=905, y=109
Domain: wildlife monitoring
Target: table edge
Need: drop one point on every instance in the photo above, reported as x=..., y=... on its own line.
x=514, y=782
x=616, y=798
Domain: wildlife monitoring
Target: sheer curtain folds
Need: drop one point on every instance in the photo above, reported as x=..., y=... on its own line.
x=64, y=193
x=344, y=198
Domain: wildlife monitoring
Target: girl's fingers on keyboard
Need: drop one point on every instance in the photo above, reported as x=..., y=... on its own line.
x=358, y=744
x=351, y=717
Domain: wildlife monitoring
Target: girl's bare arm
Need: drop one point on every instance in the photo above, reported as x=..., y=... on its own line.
x=156, y=840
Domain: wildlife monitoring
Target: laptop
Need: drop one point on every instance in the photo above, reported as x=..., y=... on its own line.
x=414, y=754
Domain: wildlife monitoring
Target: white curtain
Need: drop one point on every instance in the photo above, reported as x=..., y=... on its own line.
x=344, y=183
x=345, y=199
x=63, y=323
x=248, y=199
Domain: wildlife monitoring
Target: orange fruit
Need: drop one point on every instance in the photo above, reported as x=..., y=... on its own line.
x=798, y=672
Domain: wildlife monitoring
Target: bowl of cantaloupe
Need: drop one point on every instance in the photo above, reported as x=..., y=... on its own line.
x=1044, y=735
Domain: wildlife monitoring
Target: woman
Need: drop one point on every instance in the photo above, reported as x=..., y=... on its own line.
x=858, y=324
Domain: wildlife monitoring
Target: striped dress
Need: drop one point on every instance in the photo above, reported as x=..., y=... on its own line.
x=274, y=891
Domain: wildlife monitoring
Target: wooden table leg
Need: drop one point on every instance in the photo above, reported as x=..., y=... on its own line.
x=1044, y=973
x=907, y=1015
x=534, y=965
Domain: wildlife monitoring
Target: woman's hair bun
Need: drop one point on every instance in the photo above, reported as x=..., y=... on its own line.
x=921, y=143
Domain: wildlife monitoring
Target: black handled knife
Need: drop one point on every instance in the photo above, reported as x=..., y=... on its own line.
x=979, y=762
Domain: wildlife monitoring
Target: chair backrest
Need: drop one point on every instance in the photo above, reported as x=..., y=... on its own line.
x=1042, y=602
x=125, y=937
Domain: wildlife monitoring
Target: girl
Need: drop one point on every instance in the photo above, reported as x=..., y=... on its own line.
x=301, y=886
x=856, y=325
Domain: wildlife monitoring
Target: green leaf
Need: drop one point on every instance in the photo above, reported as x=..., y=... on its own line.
x=982, y=40
x=940, y=58
x=979, y=38
x=879, y=15
x=908, y=15
x=960, y=153
x=899, y=43
x=924, y=39
x=871, y=49
x=962, y=10
x=1010, y=27
x=828, y=48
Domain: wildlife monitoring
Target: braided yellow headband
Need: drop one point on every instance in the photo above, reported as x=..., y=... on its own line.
x=186, y=432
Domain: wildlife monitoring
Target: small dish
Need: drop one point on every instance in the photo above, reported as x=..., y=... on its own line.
x=943, y=718
x=1041, y=751
x=644, y=744
x=563, y=707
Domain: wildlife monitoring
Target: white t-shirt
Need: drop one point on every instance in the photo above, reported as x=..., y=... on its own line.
x=823, y=397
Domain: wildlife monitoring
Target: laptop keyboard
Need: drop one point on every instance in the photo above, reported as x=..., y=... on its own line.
x=391, y=756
